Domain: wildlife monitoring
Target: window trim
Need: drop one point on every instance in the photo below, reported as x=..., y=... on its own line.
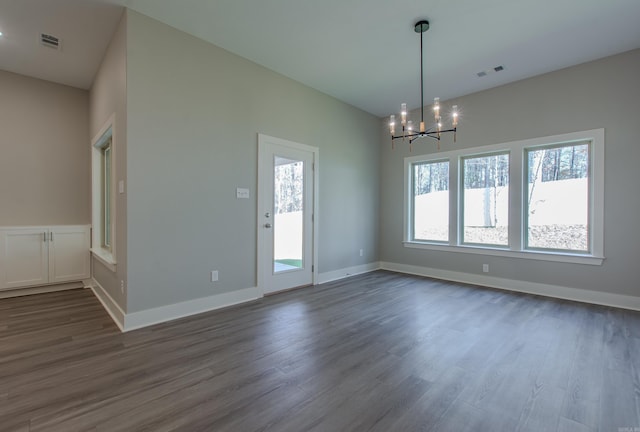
x=517, y=204
x=525, y=170
x=104, y=139
x=106, y=159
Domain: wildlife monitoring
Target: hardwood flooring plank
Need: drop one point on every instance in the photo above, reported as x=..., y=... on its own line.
x=618, y=401
x=582, y=401
x=429, y=411
x=541, y=410
x=567, y=425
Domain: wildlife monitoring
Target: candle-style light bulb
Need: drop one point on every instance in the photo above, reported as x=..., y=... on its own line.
x=403, y=114
x=454, y=115
x=436, y=109
x=392, y=125
x=410, y=126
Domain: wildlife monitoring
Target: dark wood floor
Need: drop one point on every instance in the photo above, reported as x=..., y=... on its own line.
x=382, y=352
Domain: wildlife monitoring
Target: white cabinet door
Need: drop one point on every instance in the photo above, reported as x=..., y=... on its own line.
x=24, y=257
x=69, y=258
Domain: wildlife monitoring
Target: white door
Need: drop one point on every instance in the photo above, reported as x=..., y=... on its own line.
x=69, y=258
x=24, y=257
x=286, y=201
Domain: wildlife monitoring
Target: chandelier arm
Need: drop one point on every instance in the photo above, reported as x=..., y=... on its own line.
x=434, y=130
x=431, y=133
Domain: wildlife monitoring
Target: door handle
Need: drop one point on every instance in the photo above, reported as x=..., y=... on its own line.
x=267, y=225
x=51, y=236
x=44, y=236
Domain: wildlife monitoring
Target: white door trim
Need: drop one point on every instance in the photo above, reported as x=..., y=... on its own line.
x=262, y=242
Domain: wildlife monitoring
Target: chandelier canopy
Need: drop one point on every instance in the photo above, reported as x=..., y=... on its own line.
x=408, y=130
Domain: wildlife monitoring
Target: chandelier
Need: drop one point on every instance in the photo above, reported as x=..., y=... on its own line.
x=408, y=129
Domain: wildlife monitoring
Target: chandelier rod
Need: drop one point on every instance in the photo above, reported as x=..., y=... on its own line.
x=421, y=81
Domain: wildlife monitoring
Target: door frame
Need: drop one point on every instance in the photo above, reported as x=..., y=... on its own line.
x=262, y=253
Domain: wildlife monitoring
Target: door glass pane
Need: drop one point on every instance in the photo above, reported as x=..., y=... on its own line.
x=486, y=200
x=288, y=209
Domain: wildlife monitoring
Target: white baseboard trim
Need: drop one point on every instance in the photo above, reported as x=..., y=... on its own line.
x=347, y=272
x=148, y=317
x=19, y=292
x=113, y=309
x=560, y=292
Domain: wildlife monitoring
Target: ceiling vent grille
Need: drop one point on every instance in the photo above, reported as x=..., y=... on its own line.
x=50, y=41
x=495, y=69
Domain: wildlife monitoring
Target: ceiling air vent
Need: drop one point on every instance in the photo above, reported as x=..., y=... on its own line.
x=486, y=72
x=50, y=41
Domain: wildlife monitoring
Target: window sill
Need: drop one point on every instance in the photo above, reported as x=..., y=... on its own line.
x=532, y=255
x=105, y=258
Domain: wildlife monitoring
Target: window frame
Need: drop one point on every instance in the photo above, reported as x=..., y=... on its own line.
x=525, y=171
x=105, y=192
x=518, y=184
x=103, y=159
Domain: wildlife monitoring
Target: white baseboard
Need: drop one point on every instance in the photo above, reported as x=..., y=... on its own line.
x=556, y=291
x=113, y=309
x=19, y=292
x=144, y=318
x=135, y=320
x=347, y=272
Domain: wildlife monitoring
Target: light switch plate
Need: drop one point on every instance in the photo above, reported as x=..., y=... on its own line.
x=242, y=193
x=121, y=186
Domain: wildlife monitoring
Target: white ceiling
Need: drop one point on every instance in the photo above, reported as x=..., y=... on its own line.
x=363, y=52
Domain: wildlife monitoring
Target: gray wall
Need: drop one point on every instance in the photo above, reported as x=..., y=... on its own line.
x=599, y=94
x=194, y=112
x=44, y=156
x=108, y=96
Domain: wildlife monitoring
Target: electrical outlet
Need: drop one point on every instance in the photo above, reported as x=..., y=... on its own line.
x=485, y=268
x=122, y=286
x=361, y=252
x=214, y=275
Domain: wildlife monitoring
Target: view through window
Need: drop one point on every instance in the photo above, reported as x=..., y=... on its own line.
x=431, y=201
x=486, y=200
x=558, y=198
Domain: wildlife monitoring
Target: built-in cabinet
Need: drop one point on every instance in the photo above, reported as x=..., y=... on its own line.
x=32, y=256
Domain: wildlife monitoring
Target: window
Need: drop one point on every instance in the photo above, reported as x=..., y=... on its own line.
x=103, y=195
x=486, y=200
x=557, y=204
x=537, y=199
x=431, y=201
x=105, y=187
